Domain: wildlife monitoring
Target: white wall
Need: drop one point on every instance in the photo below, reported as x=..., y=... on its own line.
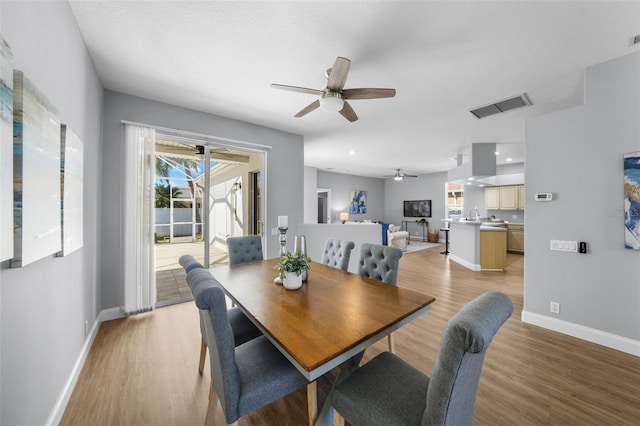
x=425, y=187
x=340, y=185
x=44, y=305
x=310, y=195
x=576, y=154
x=284, y=174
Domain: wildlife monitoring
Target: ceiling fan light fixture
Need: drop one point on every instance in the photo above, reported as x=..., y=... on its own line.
x=397, y=177
x=331, y=101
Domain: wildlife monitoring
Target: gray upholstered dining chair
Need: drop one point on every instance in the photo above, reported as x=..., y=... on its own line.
x=248, y=376
x=242, y=327
x=389, y=391
x=188, y=262
x=337, y=253
x=244, y=249
x=380, y=263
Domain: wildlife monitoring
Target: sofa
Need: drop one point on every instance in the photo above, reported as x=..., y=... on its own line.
x=396, y=237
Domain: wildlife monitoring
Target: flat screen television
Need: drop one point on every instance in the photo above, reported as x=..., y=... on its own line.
x=417, y=208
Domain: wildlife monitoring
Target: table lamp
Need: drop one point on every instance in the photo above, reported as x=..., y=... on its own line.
x=344, y=217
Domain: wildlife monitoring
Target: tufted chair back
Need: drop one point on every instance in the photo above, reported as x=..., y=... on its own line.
x=337, y=253
x=244, y=249
x=379, y=262
x=188, y=262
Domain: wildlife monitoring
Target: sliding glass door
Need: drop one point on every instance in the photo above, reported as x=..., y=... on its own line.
x=203, y=194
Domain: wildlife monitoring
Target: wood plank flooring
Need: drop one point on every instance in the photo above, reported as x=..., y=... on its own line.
x=143, y=370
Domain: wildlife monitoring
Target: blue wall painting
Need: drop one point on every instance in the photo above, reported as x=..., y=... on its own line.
x=358, y=203
x=36, y=174
x=6, y=151
x=632, y=201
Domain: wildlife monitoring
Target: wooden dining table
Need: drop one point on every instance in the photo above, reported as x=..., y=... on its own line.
x=329, y=321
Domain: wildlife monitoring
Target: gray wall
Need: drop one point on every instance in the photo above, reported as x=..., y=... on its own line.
x=425, y=187
x=340, y=185
x=284, y=174
x=576, y=154
x=44, y=305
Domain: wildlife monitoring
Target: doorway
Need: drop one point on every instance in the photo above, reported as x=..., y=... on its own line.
x=324, y=205
x=203, y=194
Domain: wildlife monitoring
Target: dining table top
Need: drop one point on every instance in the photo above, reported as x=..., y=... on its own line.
x=332, y=317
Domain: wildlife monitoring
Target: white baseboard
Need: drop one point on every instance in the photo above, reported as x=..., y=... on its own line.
x=466, y=264
x=599, y=337
x=63, y=399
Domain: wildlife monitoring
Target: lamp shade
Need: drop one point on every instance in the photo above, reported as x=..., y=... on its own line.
x=344, y=216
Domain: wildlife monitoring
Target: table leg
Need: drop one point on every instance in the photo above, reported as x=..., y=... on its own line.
x=325, y=418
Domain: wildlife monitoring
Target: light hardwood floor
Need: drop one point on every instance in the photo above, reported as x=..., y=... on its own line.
x=143, y=370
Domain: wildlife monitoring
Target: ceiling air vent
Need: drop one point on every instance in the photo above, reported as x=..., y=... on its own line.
x=501, y=106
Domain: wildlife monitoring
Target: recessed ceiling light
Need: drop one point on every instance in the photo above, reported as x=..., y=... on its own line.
x=471, y=178
x=352, y=152
x=497, y=152
x=509, y=159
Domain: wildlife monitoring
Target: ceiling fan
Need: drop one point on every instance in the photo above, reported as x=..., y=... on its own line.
x=334, y=96
x=399, y=176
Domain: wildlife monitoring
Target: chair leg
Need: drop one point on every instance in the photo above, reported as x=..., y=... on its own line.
x=312, y=402
x=203, y=355
x=215, y=415
x=392, y=344
x=338, y=420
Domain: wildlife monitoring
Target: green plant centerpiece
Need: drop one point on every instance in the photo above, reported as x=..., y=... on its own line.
x=291, y=267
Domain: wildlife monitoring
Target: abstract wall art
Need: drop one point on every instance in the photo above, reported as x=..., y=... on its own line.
x=358, y=203
x=71, y=163
x=632, y=200
x=6, y=151
x=36, y=174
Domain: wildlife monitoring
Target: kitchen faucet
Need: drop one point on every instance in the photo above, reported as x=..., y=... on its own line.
x=475, y=213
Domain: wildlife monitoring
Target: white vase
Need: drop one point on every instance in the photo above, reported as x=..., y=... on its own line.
x=292, y=281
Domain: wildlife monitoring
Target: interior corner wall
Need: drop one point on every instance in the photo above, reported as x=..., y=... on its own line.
x=577, y=155
x=310, y=195
x=341, y=184
x=284, y=175
x=44, y=305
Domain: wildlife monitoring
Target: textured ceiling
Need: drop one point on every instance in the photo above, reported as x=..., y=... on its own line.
x=443, y=59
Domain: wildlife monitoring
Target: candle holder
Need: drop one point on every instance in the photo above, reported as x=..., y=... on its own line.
x=283, y=248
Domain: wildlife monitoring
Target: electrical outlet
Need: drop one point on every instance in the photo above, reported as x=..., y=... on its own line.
x=274, y=231
x=554, y=307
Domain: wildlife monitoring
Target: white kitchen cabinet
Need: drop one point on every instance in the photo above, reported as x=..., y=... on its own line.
x=492, y=198
x=521, y=197
x=504, y=197
x=508, y=197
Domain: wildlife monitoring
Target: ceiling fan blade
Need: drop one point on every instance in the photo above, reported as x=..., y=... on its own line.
x=306, y=110
x=297, y=89
x=348, y=112
x=338, y=75
x=406, y=175
x=367, y=93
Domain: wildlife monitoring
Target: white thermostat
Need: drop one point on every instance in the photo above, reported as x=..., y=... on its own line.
x=543, y=196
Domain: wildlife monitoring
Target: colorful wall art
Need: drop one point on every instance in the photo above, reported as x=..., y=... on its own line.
x=632, y=200
x=358, y=203
x=6, y=151
x=36, y=174
x=71, y=163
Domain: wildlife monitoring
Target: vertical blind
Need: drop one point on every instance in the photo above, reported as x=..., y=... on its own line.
x=139, y=275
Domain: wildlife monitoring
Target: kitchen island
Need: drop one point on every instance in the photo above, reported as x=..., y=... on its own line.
x=478, y=245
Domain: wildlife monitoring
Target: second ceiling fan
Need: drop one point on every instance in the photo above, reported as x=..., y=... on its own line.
x=399, y=175
x=334, y=96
